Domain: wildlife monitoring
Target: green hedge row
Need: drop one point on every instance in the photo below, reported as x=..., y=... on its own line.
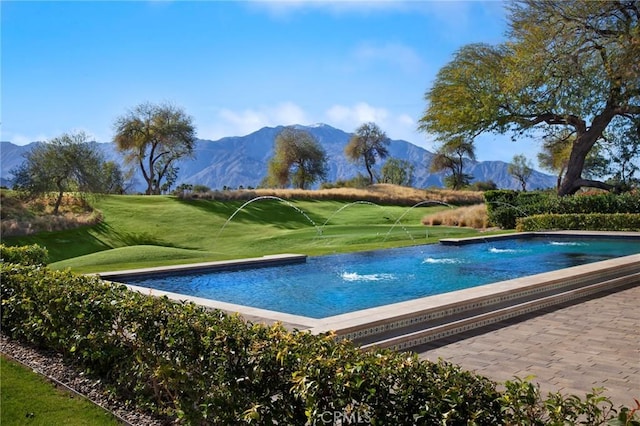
x=504, y=207
x=27, y=255
x=206, y=367
x=588, y=222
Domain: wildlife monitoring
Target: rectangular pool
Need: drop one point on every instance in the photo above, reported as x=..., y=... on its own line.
x=333, y=285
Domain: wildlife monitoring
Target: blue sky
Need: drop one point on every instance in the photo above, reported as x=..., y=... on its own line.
x=234, y=66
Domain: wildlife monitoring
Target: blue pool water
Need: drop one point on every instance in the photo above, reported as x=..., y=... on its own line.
x=336, y=284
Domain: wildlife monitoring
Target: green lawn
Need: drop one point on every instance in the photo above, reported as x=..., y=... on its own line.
x=145, y=231
x=26, y=398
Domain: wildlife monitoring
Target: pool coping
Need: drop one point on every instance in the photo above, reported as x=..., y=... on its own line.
x=396, y=315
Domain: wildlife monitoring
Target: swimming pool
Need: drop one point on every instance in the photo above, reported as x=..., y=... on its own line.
x=338, y=284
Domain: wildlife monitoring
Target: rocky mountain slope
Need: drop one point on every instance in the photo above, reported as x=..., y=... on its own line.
x=242, y=161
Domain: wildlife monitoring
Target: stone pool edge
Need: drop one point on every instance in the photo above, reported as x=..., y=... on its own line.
x=383, y=319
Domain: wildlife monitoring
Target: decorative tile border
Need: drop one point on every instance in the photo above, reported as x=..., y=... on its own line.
x=447, y=330
x=554, y=285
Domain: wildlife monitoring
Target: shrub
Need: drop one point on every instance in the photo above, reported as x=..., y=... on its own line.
x=587, y=222
x=208, y=367
x=473, y=216
x=201, y=188
x=524, y=405
x=26, y=255
x=505, y=206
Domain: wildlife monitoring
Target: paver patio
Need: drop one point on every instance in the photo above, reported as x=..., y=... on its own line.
x=571, y=348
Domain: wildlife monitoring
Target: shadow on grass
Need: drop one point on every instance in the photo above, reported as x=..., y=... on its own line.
x=131, y=238
x=258, y=212
x=63, y=245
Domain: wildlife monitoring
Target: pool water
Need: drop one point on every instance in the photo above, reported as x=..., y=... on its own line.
x=336, y=284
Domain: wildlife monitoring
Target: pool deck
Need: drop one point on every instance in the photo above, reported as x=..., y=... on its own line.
x=570, y=348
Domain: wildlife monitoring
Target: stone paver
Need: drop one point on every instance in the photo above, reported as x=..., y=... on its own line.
x=571, y=348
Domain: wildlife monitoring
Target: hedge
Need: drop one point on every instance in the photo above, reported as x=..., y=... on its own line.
x=207, y=367
x=588, y=222
x=504, y=207
x=28, y=255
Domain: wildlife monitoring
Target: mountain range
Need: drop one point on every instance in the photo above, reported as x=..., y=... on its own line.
x=242, y=161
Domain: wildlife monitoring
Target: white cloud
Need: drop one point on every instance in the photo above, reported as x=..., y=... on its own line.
x=289, y=113
x=349, y=118
x=396, y=125
x=227, y=122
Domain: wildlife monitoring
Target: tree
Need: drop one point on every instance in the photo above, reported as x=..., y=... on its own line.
x=623, y=147
x=154, y=137
x=368, y=144
x=397, y=172
x=113, y=178
x=66, y=163
x=521, y=169
x=556, y=152
x=555, y=155
x=298, y=159
x=450, y=157
x=569, y=65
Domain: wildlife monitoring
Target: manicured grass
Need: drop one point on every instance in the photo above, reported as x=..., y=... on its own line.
x=26, y=398
x=145, y=231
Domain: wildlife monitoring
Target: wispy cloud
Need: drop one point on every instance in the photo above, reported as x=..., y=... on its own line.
x=396, y=54
x=286, y=8
x=395, y=125
x=350, y=117
x=227, y=122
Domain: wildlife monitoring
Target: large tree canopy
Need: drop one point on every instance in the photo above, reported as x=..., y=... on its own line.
x=298, y=159
x=153, y=137
x=569, y=67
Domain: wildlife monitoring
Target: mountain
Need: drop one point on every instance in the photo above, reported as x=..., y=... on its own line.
x=242, y=161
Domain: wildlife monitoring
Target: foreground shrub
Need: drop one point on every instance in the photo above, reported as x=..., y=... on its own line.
x=207, y=367
x=587, y=222
x=26, y=255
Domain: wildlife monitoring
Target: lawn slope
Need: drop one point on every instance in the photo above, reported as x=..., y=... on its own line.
x=145, y=231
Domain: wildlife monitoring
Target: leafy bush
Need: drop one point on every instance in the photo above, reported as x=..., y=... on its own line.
x=27, y=255
x=359, y=181
x=201, y=188
x=587, y=222
x=506, y=206
x=208, y=367
x=524, y=405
